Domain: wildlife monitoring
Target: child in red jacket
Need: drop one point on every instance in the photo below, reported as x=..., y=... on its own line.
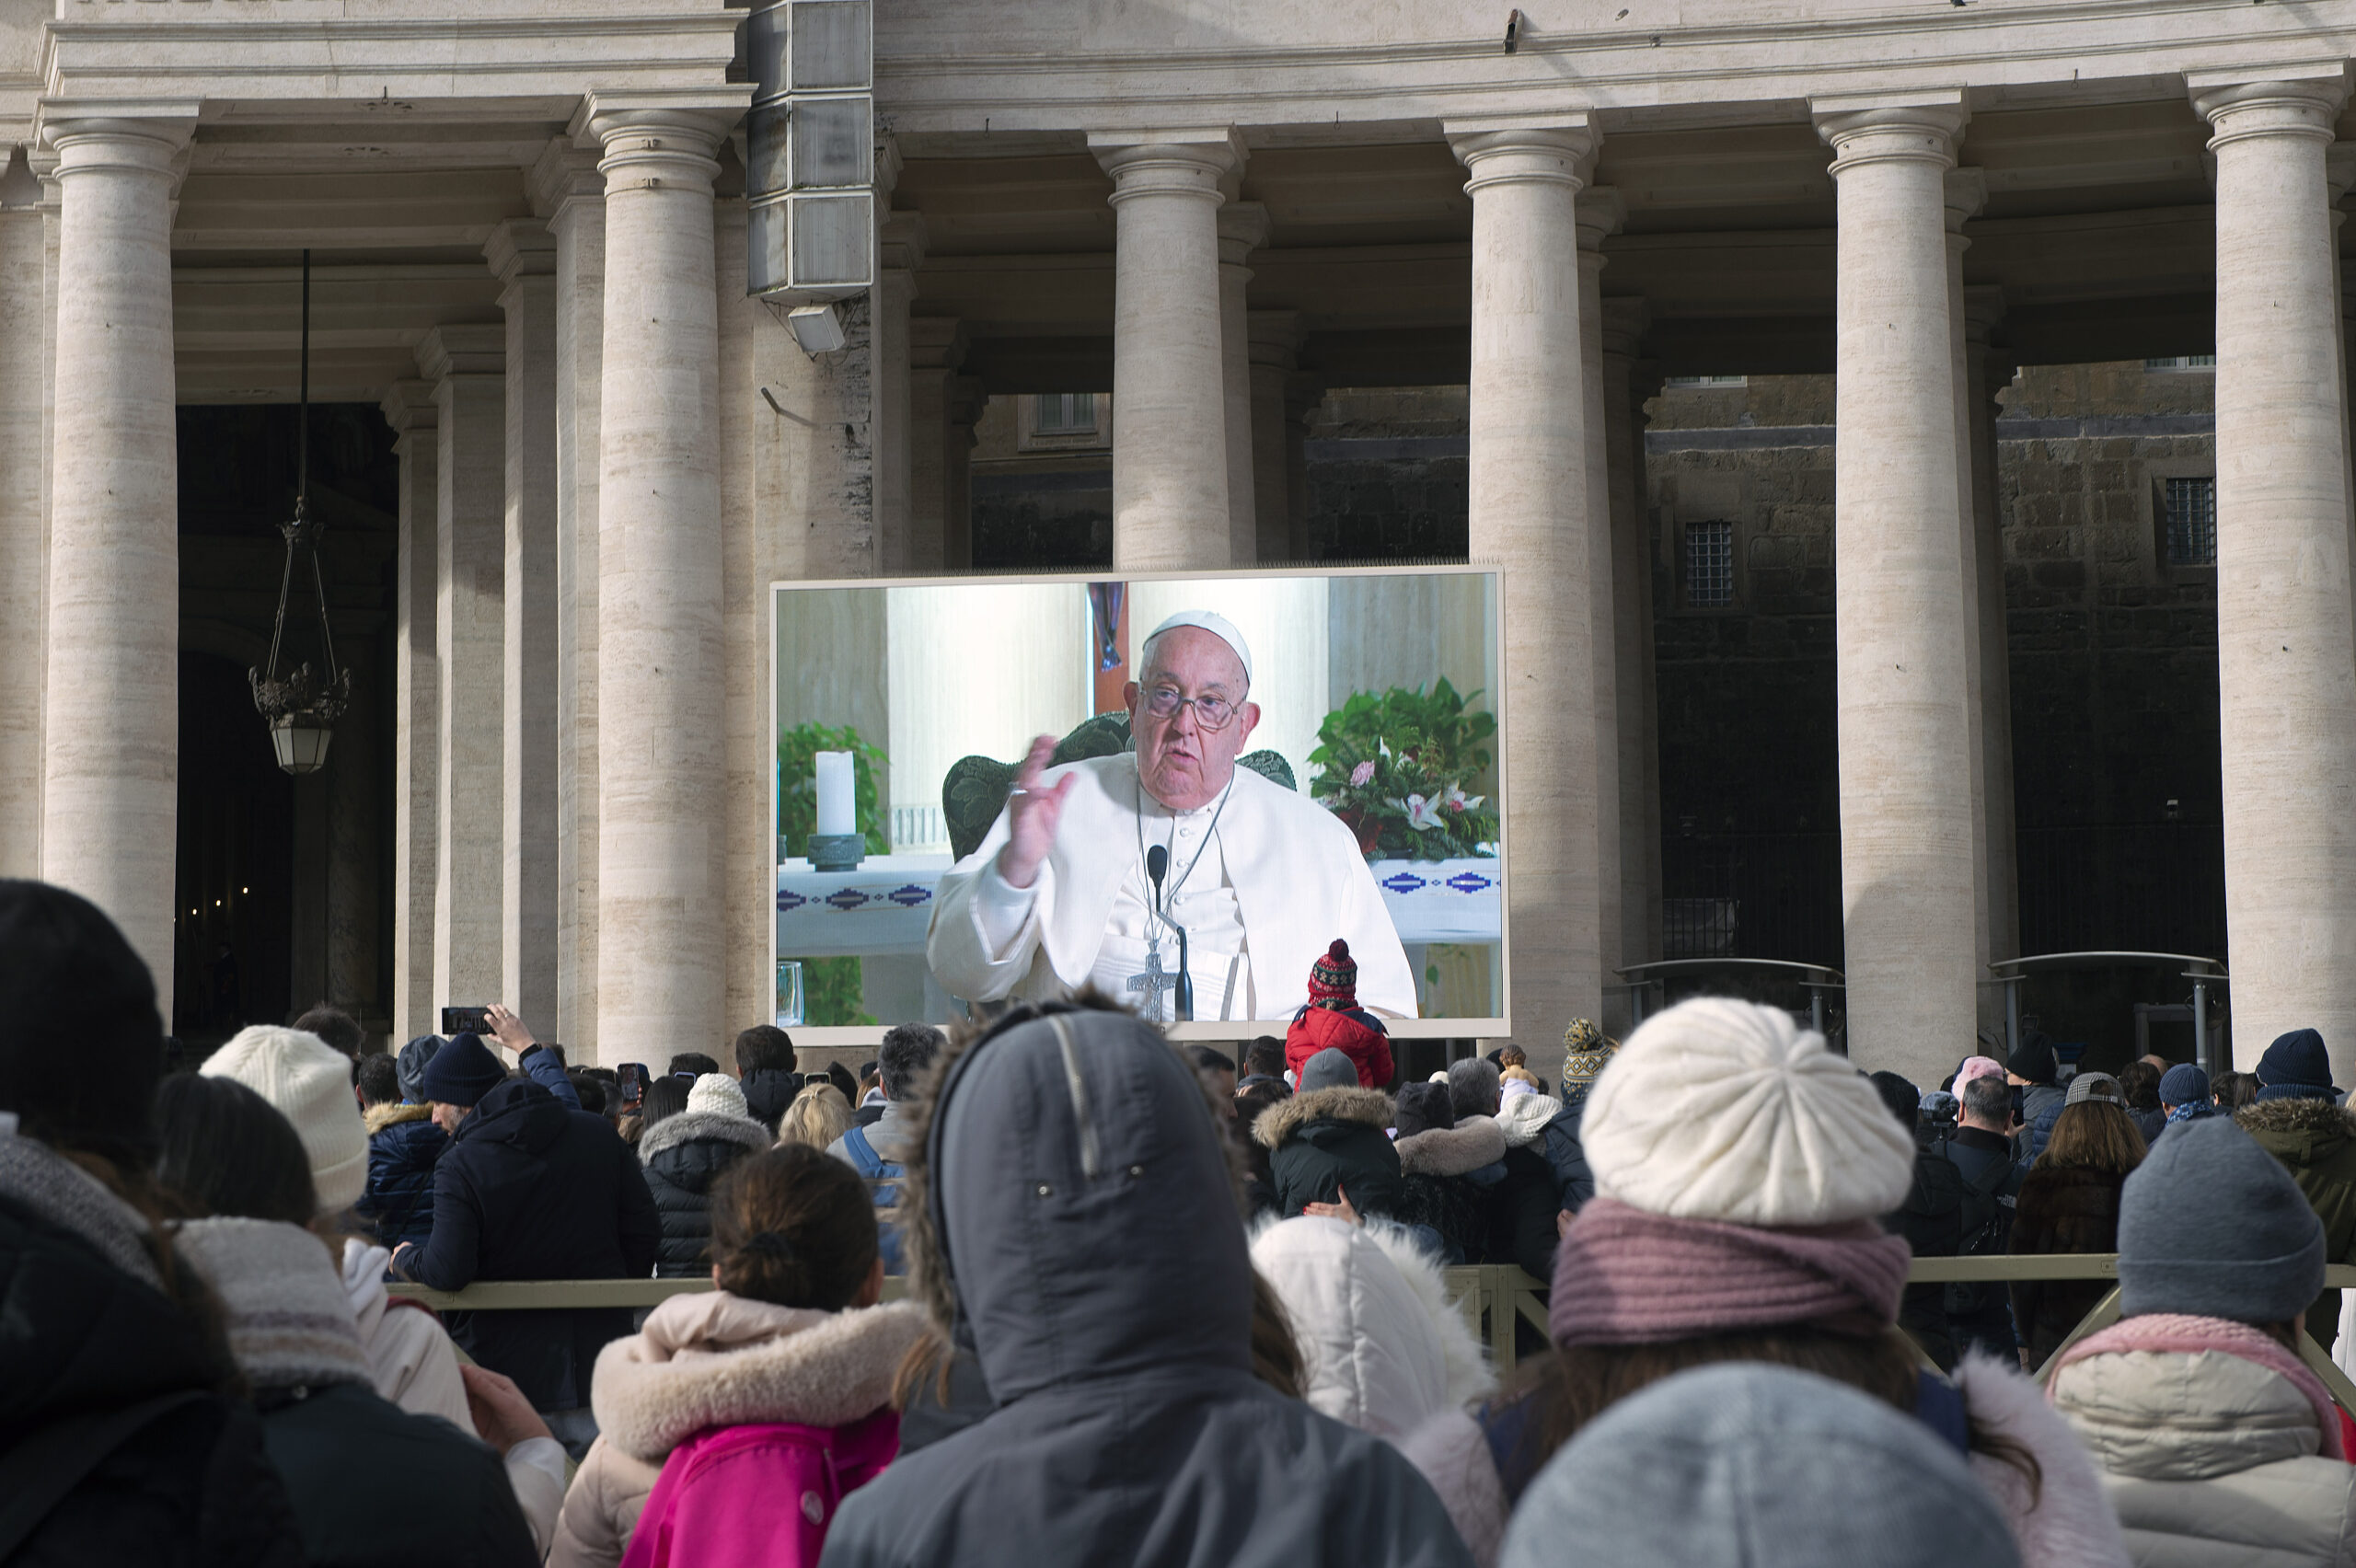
x=1332, y=1018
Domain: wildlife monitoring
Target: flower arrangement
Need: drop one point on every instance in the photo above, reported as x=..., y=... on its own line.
x=1395, y=766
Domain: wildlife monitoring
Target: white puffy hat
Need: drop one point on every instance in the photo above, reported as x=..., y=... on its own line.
x=309, y=1081
x=717, y=1092
x=1217, y=625
x=1723, y=1110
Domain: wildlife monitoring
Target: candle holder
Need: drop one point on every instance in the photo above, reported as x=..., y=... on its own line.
x=837, y=851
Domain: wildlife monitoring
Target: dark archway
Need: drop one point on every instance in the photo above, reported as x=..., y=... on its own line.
x=233, y=928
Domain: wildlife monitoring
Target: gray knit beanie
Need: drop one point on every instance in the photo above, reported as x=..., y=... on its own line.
x=2211, y=1226
x=1328, y=1068
x=1744, y=1465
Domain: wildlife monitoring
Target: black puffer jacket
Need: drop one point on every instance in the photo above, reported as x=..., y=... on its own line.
x=1436, y=1194
x=684, y=1155
x=1091, y=1256
x=109, y=1401
x=531, y=1190
x=1329, y=1141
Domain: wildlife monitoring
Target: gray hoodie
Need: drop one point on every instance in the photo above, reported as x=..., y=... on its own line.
x=1077, y=1199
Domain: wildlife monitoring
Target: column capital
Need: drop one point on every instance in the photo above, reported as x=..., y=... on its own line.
x=936, y=342
x=1552, y=150
x=658, y=140
x=520, y=247
x=1626, y=319
x=1242, y=229
x=1274, y=336
x=963, y=397
x=899, y=242
x=124, y=138
x=565, y=173
x=2278, y=100
x=1179, y=162
x=462, y=349
x=1600, y=211
x=1866, y=128
x=1967, y=193
x=410, y=406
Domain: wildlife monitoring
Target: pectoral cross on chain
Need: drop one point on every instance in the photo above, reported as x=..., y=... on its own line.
x=1153, y=982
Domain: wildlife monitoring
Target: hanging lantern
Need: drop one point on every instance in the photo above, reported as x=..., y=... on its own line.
x=302, y=705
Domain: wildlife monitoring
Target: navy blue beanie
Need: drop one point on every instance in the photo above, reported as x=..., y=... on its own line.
x=462, y=1072
x=2183, y=1084
x=2296, y=1066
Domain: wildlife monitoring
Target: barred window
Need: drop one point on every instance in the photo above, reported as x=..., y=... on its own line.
x=1706, y=381
x=1709, y=565
x=1064, y=413
x=2191, y=510
x=2182, y=361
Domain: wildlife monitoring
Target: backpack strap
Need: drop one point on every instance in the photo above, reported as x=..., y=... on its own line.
x=869, y=1163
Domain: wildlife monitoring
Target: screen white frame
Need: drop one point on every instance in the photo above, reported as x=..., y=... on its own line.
x=844, y=1036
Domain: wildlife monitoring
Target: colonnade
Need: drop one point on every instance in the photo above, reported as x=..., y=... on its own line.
x=568, y=819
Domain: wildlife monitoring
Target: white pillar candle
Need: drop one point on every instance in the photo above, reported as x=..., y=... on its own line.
x=836, y=794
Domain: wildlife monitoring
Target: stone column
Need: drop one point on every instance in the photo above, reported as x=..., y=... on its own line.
x=411, y=409
x=2286, y=641
x=936, y=348
x=1170, y=507
x=1966, y=191
x=1986, y=373
x=1907, y=867
x=1637, y=740
x=748, y=564
x=522, y=254
x=468, y=367
x=1599, y=213
x=569, y=192
x=968, y=399
x=1304, y=397
x=900, y=240
x=110, y=748
x=661, y=672
x=23, y=543
x=1528, y=509
x=1275, y=340
x=1243, y=228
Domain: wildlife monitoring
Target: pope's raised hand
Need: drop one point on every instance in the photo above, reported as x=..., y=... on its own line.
x=1032, y=814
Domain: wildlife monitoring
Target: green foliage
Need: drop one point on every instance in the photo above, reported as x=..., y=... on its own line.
x=1396, y=765
x=797, y=788
x=834, y=988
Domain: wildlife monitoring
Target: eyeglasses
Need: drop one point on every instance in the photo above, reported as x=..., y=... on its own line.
x=1210, y=712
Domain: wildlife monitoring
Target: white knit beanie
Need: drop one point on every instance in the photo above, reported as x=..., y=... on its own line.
x=718, y=1094
x=1723, y=1110
x=310, y=1083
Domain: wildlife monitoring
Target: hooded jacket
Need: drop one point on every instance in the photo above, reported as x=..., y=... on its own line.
x=768, y=1094
x=1435, y=1192
x=1329, y=1141
x=717, y=1360
x=1355, y=1033
x=2061, y=1209
x=1382, y=1348
x=532, y=1189
x=403, y=1147
x=2211, y=1459
x=2315, y=1140
x=111, y=1400
x=683, y=1156
x=1075, y=1226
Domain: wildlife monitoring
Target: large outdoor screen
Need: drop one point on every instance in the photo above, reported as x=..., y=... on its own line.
x=989, y=789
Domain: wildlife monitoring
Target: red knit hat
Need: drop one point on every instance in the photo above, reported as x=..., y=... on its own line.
x=1334, y=979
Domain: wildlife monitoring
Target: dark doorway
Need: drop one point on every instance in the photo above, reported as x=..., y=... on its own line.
x=233, y=922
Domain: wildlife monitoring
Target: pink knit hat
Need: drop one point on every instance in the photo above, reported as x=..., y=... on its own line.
x=1977, y=1066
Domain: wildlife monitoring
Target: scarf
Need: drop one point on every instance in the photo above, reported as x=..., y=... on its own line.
x=2180, y=1333
x=290, y=1323
x=1623, y=1277
x=2190, y=1110
x=44, y=1183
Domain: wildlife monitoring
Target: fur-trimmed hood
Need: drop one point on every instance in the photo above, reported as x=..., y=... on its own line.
x=392, y=1114
x=1382, y=1348
x=689, y=1125
x=2297, y=1129
x=715, y=1359
x=1451, y=1151
x=1342, y=1103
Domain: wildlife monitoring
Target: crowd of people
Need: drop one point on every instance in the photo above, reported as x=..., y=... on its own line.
x=1163, y=1306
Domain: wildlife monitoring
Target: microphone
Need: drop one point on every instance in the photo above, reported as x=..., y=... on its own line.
x=1157, y=865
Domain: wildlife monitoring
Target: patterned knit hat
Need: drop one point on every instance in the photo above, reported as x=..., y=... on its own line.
x=1334, y=979
x=1589, y=1050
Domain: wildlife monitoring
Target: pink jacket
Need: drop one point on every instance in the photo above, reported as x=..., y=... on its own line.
x=758, y=1496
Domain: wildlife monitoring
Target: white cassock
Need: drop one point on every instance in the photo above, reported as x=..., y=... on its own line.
x=1263, y=880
